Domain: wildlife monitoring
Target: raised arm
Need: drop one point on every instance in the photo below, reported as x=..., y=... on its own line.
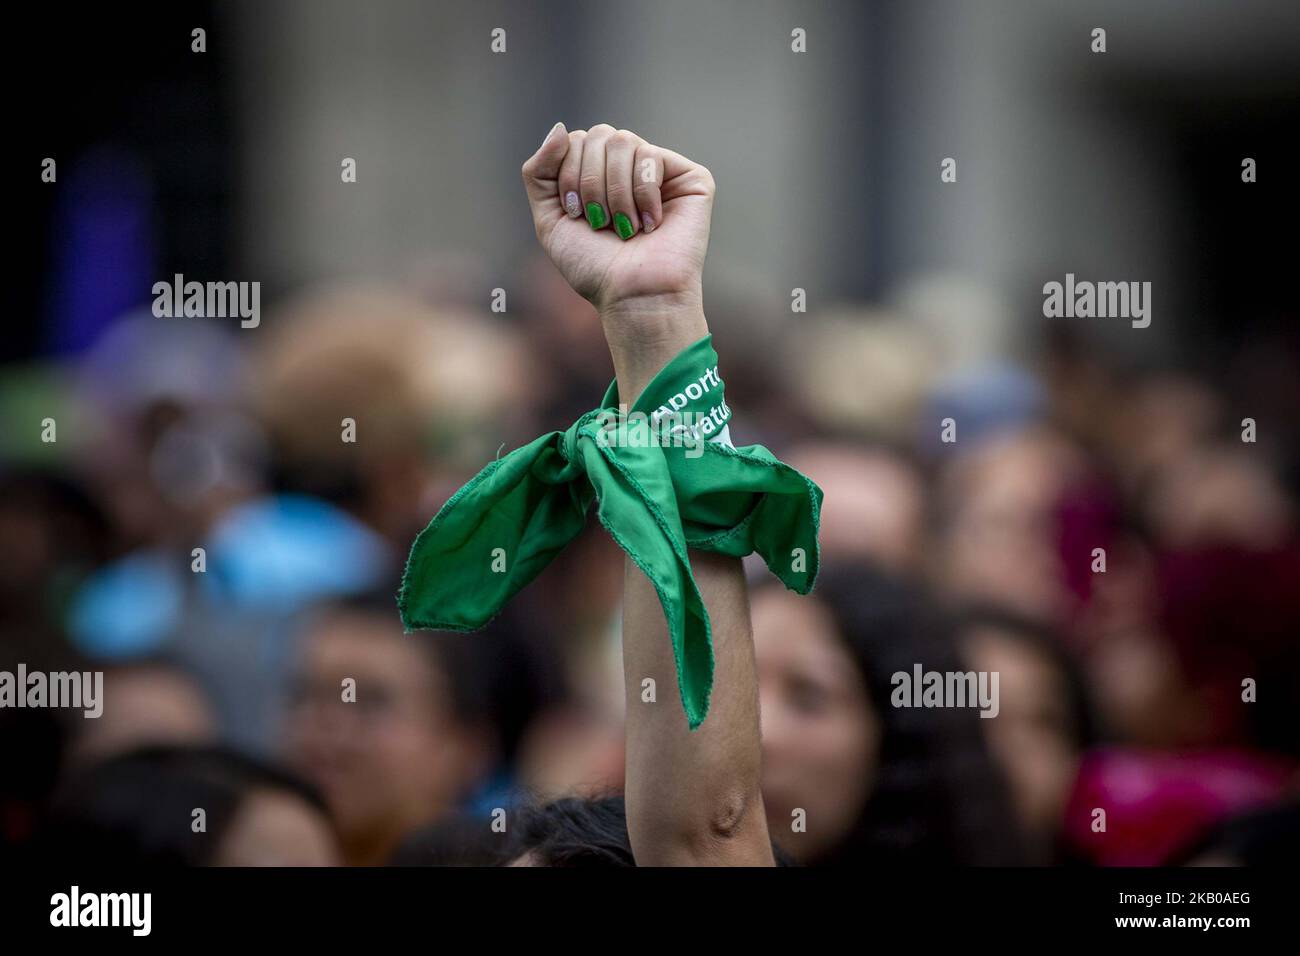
x=627, y=224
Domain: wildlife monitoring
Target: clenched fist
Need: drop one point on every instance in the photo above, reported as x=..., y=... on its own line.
x=627, y=224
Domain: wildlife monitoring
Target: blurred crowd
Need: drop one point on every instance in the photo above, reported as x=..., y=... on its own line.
x=1091, y=527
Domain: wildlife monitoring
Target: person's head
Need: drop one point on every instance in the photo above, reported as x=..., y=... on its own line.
x=873, y=781
x=572, y=832
x=1218, y=494
x=997, y=522
x=189, y=806
x=874, y=508
x=404, y=374
x=146, y=703
x=1044, y=720
x=389, y=725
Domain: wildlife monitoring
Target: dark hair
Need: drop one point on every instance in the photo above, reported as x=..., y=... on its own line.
x=136, y=809
x=937, y=797
x=574, y=832
x=566, y=832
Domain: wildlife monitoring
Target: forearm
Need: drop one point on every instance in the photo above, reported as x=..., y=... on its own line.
x=692, y=796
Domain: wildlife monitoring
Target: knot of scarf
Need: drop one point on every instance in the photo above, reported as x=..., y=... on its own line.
x=664, y=479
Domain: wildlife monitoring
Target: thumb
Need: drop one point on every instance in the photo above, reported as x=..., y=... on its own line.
x=542, y=169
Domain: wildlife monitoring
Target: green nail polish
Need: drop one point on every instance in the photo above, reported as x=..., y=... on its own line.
x=596, y=215
x=623, y=226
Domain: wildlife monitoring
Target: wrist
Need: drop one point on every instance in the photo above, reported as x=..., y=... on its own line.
x=644, y=334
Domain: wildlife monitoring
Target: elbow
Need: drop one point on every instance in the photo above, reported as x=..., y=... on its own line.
x=726, y=815
x=704, y=833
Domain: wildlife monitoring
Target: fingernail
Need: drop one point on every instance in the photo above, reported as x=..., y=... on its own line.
x=551, y=132
x=596, y=215
x=623, y=226
x=647, y=223
x=572, y=204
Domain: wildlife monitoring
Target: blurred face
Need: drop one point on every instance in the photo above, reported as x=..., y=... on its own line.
x=273, y=828
x=821, y=738
x=1002, y=543
x=394, y=758
x=144, y=706
x=874, y=507
x=1031, y=738
x=1219, y=495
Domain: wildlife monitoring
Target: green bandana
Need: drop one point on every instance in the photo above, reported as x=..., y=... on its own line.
x=664, y=478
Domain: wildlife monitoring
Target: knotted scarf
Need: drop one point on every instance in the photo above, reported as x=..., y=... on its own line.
x=664, y=478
